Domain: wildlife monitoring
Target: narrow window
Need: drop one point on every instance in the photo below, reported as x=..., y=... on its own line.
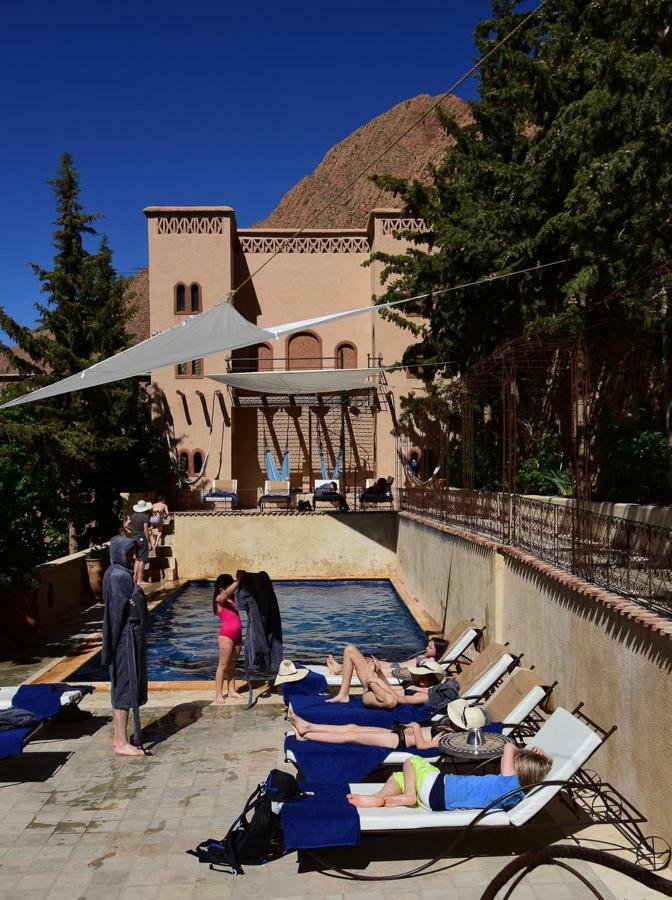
x=346, y=356
x=196, y=461
x=195, y=293
x=180, y=298
x=184, y=461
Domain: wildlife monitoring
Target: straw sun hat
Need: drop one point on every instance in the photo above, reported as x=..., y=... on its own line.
x=428, y=667
x=142, y=506
x=464, y=716
x=288, y=672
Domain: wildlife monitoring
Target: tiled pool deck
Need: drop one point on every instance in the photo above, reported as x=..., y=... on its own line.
x=77, y=822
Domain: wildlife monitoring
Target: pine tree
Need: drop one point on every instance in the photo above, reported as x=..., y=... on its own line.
x=92, y=439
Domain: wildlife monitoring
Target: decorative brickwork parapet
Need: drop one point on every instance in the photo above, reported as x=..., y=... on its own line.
x=303, y=244
x=394, y=226
x=191, y=225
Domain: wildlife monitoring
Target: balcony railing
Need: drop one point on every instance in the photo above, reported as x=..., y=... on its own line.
x=630, y=558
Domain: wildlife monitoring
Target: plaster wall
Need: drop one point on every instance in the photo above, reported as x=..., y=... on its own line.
x=286, y=546
x=620, y=669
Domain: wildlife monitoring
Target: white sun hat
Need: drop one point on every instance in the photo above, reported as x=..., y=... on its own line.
x=464, y=716
x=428, y=667
x=288, y=672
x=142, y=506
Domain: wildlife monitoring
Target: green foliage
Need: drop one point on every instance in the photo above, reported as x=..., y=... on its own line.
x=544, y=470
x=567, y=158
x=632, y=461
x=89, y=444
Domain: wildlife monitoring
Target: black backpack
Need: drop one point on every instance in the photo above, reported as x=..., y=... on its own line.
x=256, y=840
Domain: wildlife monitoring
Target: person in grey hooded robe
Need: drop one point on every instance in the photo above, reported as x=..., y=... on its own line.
x=125, y=643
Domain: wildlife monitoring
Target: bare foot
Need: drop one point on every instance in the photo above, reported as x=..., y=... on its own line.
x=365, y=801
x=299, y=725
x=334, y=667
x=339, y=699
x=298, y=735
x=220, y=701
x=235, y=698
x=402, y=800
x=234, y=695
x=127, y=750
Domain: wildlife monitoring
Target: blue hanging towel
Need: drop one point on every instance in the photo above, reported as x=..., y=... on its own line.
x=272, y=472
x=284, y=468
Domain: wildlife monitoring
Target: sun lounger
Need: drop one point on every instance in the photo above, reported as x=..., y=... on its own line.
x=513, y=703
x=564, y=736
x=45, y=701
x=275, y=493
x=460, y=638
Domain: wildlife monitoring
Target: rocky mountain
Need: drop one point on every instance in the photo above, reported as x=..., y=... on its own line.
x=410, y=158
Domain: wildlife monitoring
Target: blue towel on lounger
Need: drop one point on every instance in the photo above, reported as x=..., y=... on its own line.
x=313, y=683
x=325, y=820
x=11, y=741
x=43, y=700
x=340, y=763
x=314, y=709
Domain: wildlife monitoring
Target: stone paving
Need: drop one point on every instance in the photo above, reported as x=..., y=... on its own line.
x=77, y=822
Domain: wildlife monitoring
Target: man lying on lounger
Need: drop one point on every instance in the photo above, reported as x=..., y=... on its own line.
x=378, y=692
x=434, y=650
x=422, y=784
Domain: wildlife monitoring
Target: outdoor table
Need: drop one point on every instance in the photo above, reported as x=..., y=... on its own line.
x=455, y=749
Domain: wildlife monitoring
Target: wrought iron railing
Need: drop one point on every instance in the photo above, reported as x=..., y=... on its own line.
x=628, y=557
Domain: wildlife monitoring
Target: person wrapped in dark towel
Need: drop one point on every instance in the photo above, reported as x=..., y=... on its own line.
x=330, y=492
x=263, y=637
x=125, y=643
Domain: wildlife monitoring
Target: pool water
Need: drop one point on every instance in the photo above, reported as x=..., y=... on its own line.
x=318, y=617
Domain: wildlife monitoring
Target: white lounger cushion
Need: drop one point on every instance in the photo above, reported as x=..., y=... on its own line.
x=7, y=695
x=448, y=657
x=490, y=676
x=568, y=740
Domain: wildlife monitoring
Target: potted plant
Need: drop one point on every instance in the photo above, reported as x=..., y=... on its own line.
x=97, y=561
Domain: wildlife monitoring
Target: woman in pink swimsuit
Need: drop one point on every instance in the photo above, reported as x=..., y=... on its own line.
x=229, y=638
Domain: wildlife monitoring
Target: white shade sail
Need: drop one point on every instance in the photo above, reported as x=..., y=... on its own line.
x=302, y=381
x=217, y=330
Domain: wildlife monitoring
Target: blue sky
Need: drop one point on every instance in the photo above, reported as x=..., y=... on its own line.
x=202, y=103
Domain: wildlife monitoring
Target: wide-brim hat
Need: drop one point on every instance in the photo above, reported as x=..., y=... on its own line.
x=428, y=667
x=465, y=716
x=142, y=506
x=288, y=672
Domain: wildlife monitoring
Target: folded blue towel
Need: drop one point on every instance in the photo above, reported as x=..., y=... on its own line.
x=313, y=683
x=337, y=763
x=11, y=741
x=325, y=820
x=43, y=700
x=314, y=709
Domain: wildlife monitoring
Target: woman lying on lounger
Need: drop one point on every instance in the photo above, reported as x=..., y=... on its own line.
x=422, y=784
x=403, y=737
x=378, y=692
x=434, y=650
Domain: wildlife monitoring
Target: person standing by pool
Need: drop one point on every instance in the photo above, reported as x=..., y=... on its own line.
x=141, y=535
x=125, y=643
x=229, y=638
x=156, y=520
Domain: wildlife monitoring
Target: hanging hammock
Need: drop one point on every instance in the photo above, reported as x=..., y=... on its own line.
x=273, y=473
x=419, y=482
x=338, y=465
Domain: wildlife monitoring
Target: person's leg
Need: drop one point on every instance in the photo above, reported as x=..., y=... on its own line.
x=303, y=726
x=120, y=742
x=353, y=661
x=392, y=788
x=347, y=734
x=231, y=674
x=334, y=667
x=380, y=695
x=226, y=648
x=407, y=797
x=138, y=571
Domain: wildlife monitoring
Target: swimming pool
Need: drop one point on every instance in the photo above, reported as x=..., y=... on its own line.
x=318, y=617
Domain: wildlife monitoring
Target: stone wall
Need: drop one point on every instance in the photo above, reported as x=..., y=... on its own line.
x=286, y=545
x=602, y=649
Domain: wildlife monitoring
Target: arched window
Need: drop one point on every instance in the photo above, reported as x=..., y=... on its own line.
x=264, y=357
x=195, y=298
x=184, y=461
x=180, y=298
x=304, y=351
x=196, y=462
x=346, y=356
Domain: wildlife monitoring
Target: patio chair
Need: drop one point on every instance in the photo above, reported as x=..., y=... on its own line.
x=569, y=738
x=276, y=493
x=320, y=482
x=45, y=701
x=460, y=637
x=377, y=500
x=223, y=494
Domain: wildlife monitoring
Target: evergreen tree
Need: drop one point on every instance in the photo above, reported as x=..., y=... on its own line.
x=568, y=157
x=91, y=440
